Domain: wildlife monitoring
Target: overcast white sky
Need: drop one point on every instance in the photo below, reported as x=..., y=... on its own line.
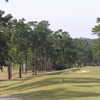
x=77, y=17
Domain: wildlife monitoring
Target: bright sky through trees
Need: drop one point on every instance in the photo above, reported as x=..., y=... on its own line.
x=75, y=16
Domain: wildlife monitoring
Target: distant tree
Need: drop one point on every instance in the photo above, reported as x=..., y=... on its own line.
x=63, y=52
x=96, y=51
x=84, y=51
x=96, y=30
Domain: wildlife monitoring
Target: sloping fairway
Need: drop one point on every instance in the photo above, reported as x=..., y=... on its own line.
x=63, y=86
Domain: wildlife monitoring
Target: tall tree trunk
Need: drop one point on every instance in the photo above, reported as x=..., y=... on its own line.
x=35, y=63
x=26, y=69
x=45, y=63
x=9, y=72
x=20, y=71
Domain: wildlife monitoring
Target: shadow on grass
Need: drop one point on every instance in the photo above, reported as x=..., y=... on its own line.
x=53, y=81
x=17, y=79
x=13, y=82
x=57, y=94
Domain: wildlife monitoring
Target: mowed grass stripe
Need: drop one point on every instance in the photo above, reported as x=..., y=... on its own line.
x=65, y=86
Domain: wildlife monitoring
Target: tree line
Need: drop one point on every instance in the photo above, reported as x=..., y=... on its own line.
x=34, y=46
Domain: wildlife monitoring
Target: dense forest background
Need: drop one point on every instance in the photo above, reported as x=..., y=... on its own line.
x=33, y=46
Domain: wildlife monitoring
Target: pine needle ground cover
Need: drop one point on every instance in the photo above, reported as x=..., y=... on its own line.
x=62, y=86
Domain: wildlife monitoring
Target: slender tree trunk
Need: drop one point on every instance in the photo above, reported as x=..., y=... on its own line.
x=45, y=63
x=35, y=63
x=9, y=72
x=63, y=56
x=26, y=69
x=41, y=63
x=20, y=71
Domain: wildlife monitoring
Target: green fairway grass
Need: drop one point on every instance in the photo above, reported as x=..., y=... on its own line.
x=62, y=86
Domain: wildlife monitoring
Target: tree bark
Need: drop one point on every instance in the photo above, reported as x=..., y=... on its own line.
x=26, y=69
x=20, y=71
x=9, y=72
